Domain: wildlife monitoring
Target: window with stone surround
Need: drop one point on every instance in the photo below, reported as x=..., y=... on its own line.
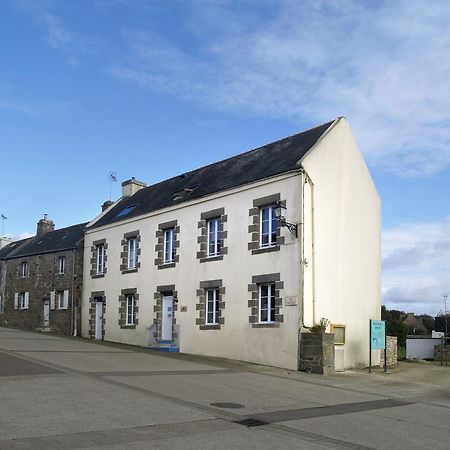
x=265, y=234
x=212, y=235
x=130, y=252
x=62, y=299
x=131, y=309
x=210, y=305
x=62, y=265
x=167, y=245
x=128, y=308
x=23, y=269
x=99, y=258
x=266, y=302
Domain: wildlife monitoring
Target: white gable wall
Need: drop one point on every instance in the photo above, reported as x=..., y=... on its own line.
x=347, y=225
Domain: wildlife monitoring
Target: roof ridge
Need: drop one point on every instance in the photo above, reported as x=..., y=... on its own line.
x=238, y=155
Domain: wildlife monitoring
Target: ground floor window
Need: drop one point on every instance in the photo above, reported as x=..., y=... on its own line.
x=212, y=306
x=267, y=303
x=131, y=310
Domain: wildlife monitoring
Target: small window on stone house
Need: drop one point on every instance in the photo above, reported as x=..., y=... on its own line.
x=23, y=269
x=62, y=264
x=130, y=310
x=62, y=299
x=101, y=258
x=132, y=253
x=268, y=223
x=267, y=303
x=169, y=245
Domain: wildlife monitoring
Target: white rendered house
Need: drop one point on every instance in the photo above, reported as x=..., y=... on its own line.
x=200, y=263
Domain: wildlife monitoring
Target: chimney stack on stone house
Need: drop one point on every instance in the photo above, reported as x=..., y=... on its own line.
x=130, y=187
x=44, y=226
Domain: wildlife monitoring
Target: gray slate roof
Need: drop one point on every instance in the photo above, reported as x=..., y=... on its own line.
x=53, y=241
x=263, y=162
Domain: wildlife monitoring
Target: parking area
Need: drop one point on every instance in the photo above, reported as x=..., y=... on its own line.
x=68, y=393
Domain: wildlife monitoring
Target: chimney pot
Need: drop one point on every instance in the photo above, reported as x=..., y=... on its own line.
x=106, y=205
x=131, y=186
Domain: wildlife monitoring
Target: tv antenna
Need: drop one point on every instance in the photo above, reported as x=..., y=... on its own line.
x=112, y=178
x=3, y=225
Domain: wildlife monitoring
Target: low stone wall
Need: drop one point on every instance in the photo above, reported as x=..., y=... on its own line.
x=391, y=354
x=317, y=353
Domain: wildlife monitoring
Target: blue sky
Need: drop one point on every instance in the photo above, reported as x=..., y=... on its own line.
x=151, y=89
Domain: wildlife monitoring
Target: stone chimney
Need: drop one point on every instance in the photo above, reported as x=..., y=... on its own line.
x=106, y=205
x=130, y=187
x=44, y=226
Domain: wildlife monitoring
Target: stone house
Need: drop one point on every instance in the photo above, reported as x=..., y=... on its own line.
x=238, y=258
x=41, y=278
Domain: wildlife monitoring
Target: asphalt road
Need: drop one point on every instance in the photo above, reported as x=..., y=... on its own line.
x=67, y=393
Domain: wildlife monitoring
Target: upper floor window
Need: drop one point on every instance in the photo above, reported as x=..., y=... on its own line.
x=214, y=237
x=131, y=310
x=212, y=306
x=132, y=253
x=24, y=269
x=101, y=258
x=62, y=264
x=268, y=226
x=267, y=303
x=169, y=245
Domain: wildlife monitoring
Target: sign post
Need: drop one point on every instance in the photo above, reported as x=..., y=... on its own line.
x=377, y=336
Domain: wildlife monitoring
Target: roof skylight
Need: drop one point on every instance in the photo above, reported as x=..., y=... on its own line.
x=126, y=210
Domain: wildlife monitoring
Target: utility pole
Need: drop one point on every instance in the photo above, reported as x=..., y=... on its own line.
x=445, y=296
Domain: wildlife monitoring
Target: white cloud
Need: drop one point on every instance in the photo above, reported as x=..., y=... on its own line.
x=385, y=66
x=20, y=236
x=416, y=266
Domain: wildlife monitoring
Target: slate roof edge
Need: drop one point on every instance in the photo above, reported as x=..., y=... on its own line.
x=14, y=255
x=249, y=151
x=321, y=138
x=97, y=218
x=194, y=201
x=25, y=255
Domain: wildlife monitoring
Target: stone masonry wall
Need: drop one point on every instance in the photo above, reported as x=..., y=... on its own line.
x=43, y=277
x=317, y=353
x=391, y=355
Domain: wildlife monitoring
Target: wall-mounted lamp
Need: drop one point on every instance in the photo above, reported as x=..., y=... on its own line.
x=280, y=211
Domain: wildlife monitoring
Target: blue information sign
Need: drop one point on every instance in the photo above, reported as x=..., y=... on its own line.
x=377, y=334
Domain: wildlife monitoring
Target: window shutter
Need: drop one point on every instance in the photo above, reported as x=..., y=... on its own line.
x=52, y=300
x=27, y=299
x=66, y=299
x=16, y=300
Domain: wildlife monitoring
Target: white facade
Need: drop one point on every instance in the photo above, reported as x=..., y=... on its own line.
x=339, y=279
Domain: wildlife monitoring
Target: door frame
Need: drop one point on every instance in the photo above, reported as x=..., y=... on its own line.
x=167, y=318
x=99, y=302
x=46, y=303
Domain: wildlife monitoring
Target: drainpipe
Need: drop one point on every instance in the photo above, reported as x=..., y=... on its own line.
x=74, y=320
x=313, y=245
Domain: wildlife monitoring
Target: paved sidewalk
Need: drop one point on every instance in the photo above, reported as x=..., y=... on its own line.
x=68, y=393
